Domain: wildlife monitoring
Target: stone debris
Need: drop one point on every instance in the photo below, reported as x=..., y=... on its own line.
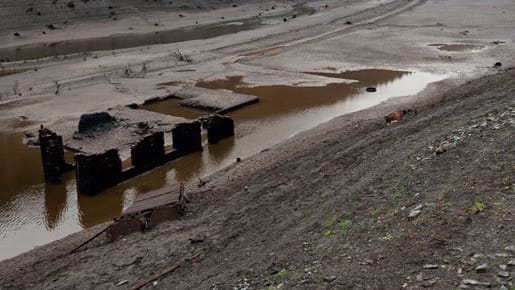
x=482, y=268
x=329, y=279
x=504, y=274
x=415, y=211
x=475, y=283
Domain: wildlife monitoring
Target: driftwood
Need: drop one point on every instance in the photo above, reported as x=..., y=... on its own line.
x=89, y=240
x=170, y=270
x=156, y=277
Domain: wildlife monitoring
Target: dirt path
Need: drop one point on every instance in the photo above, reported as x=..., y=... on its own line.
x=351, y=204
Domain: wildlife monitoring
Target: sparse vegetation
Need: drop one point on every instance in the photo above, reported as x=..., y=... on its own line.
x=345, y=224
x=180, y=56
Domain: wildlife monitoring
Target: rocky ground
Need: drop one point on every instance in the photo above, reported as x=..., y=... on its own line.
x=355, y=203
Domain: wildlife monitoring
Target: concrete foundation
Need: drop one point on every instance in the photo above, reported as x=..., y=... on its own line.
x=149, y=152
x=52, y=155
x=97, y=172
x=218, y=127
x=186, y=137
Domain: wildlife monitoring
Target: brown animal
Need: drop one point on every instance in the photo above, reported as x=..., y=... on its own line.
x=397, y=116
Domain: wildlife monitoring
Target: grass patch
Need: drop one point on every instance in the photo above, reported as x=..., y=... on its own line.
x=345, y=224
x=327, y=233
x=279, y=274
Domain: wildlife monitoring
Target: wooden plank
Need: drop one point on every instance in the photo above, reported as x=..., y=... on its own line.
x=164, y=196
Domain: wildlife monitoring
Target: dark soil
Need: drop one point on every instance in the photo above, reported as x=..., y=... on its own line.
x=331, y=209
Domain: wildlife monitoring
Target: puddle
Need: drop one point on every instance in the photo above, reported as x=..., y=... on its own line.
x=458, y=47
x=34, y=213
x=173, y=105
x=128, y=40
x=120, y=41
x=261, y=51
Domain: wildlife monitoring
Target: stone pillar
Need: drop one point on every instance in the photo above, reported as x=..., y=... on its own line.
x=186, y=137
x=52, y=154
x=218, y=127
x=98, y=171
x=149, y=152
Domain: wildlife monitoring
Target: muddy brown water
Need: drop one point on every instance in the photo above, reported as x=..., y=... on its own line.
x=34, y=213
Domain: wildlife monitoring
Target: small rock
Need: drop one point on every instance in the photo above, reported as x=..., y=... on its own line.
x=431, y=266
x=440, y=150
x=504, y=274
x=503, y=287
x=511, y=263
x=329, y=279
x=348, y=22
x=413, y=213
x=428, y=283
x=503, y=255
x=475, y=283
x=503, y=267
x=482, y=268
x=122, y=283
x=510, y=248
x=463, y=286
x=497, y=64
x=371, y=89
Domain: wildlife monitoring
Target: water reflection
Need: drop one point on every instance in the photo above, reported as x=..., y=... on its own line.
x=55, y=204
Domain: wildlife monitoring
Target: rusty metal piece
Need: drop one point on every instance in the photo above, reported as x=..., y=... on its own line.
x=161, y=214
x=124, y=227
x=149, y=210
